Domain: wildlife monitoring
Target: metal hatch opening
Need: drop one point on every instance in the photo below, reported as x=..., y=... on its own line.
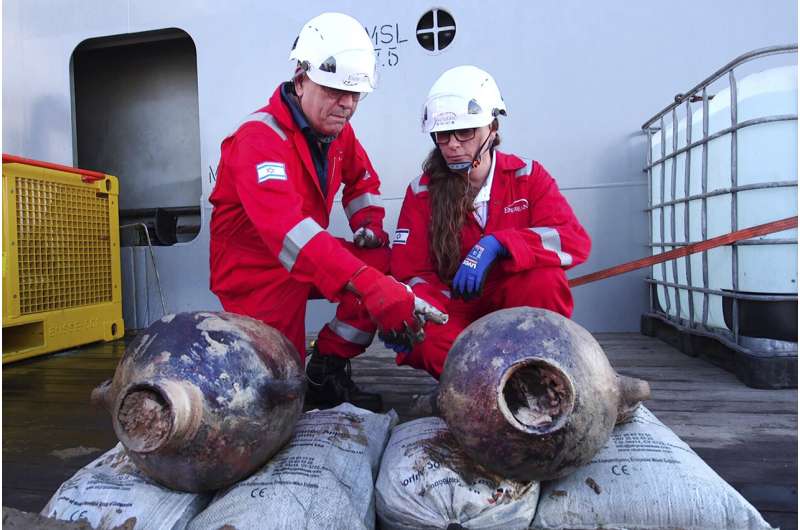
x=135, y=114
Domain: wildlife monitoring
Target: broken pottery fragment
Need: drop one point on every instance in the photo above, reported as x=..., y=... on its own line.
x=530, y=394
x=201, y=400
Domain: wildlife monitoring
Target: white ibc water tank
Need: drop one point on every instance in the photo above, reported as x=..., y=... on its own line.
x=766, y=153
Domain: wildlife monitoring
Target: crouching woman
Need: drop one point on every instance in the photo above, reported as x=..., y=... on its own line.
x=479, y=230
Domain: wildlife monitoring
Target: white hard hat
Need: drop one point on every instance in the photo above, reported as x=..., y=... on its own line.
x=335, y=51
x=463, y=97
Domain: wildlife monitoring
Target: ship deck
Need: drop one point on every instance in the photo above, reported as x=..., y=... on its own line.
x=748, y=436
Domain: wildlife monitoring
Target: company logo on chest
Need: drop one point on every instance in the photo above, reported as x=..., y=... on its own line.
x=520, y=205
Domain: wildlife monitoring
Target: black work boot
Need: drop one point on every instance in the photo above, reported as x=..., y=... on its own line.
x=329, y=384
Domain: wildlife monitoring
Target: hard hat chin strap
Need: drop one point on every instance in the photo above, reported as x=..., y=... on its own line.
x=462, y=167
x=467, y=167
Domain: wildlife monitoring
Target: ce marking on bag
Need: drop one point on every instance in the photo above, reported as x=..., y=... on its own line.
x=620, y=470
x=77, y=515
x=258, y=492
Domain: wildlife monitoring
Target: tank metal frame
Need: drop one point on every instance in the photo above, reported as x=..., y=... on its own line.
x=694, y=325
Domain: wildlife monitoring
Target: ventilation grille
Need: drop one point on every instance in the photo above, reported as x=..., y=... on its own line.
x=63, y=244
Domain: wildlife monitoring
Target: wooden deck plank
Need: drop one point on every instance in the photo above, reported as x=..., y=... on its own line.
x=783, y=520
x=746, y=435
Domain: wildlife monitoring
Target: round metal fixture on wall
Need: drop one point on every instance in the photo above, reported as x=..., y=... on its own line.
x=436, y=30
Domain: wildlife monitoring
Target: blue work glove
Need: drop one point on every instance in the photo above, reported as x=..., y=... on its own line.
x=471, y=274
x=397, y=341
x=398, y=348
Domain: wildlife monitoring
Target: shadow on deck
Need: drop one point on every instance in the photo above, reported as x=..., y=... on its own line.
x=748, y=436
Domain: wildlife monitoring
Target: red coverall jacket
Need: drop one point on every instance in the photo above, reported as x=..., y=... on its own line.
x=528, y=216
x=270, y=216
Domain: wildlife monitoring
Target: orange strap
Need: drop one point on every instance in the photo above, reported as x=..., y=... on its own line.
x=727, y=239
x=86, y=174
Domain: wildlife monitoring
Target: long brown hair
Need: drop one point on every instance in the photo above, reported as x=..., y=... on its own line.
x=451, y=199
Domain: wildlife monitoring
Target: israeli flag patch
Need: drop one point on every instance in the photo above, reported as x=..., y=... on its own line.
x=270, y=171
x=401, y=236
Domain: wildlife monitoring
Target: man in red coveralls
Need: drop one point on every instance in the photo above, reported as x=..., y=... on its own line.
x=479, y=230
x=277, y=178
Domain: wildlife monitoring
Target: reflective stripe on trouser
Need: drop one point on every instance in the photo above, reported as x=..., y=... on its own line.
x=352, y=330
x=544, y=287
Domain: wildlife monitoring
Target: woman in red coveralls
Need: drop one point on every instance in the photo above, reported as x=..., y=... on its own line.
x=479, y=230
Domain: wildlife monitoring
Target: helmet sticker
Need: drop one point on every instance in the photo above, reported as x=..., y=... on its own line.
x=444, y=118
x=355, y=79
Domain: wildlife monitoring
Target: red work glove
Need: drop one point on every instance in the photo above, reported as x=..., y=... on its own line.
x=370, y=237
x=389, y=303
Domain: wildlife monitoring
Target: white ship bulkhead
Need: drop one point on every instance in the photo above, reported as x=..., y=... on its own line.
x=146, y=90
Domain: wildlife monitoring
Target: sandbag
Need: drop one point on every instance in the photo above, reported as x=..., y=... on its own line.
x=427, y=481
x=111, y=491
x=645, y=478
x=323, y=479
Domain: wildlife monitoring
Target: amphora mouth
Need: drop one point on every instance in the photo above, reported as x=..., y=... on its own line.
x=536, y=396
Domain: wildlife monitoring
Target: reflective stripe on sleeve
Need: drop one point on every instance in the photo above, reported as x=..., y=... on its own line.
x=415, y=280
x=265, y=118
x=349, y=333
x=296, y=239
x=526, y=170
x=552, y=241
x=361, y=202
x=416, y=187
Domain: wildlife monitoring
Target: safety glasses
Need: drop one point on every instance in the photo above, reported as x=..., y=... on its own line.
x=337, y=94
x=462, y=135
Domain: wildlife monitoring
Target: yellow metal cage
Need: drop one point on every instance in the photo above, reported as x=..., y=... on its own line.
x=61, y=258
